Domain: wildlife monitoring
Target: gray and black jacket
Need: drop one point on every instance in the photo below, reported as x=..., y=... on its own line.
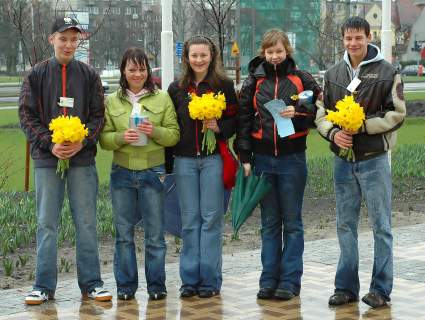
x=380, y=93
x=38, y=105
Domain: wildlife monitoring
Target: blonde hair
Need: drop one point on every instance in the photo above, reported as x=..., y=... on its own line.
x=271, y=38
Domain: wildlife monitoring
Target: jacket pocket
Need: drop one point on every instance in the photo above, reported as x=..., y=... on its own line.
x=155, y=113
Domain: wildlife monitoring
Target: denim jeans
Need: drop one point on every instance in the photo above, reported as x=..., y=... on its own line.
x=82, y=186
x=282, y=231
x=370, y=179
x=138, y=194
x=200, y=188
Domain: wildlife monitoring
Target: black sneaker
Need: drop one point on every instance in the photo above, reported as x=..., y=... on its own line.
x=125, y=296
x=187, y=293
x=283, y=294
x=340, y=298
x=207, y=293
x=374, y=299
x=265, y=293
x=159, y=295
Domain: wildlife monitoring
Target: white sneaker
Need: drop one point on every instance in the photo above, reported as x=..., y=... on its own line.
x=36, y=297
x=100, y=294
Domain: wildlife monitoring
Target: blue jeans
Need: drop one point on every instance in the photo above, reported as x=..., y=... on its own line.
x=370, y=179
x=82, y=186
x=200, y=188
x=282, y=231
x=138, y=194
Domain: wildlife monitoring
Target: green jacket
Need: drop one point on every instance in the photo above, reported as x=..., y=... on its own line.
x=160, y=110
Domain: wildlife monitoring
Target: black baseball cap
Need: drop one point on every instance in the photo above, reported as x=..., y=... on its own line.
x=64, y=23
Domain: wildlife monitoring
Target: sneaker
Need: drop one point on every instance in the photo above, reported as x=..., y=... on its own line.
x=374, y=299
x=340, y=298
x=283, y=294
x=157, y=295
x=36, y=297
x=125, y=296
x=265, y=293
x=100, y=294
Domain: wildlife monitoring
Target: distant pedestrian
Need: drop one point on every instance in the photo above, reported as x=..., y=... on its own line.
x=78, y=88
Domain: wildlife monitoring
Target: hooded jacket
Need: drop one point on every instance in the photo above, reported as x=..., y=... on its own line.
x=256, y=131
x=38, y=105
x=380, y=93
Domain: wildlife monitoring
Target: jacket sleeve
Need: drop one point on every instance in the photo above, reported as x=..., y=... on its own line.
x=168, y=134
x=96, y=111
x=245, y=120
x=110, y=139
x=227, y=122
x=394, y=111
x=30, y=113
x=325, y=127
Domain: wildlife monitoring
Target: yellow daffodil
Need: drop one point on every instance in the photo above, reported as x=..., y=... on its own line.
x=208, y=106
x=67, y=129
x=349, y=116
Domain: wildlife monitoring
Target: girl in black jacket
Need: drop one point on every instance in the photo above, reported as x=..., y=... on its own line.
x=199, y=174
x=274, y=76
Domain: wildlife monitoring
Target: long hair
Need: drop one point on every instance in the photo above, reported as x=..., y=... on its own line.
x=138, y=57
x=215, y=75
x=271, y=38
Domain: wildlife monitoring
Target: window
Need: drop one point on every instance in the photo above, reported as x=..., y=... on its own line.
x=127, y=10
x=292, y=39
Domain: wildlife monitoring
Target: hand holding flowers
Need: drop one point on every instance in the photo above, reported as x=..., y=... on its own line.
x=209, y=107
x=349, y=116
x=68, y=135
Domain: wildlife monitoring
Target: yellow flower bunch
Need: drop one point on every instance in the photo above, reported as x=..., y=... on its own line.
x=67, y=129
x=349, y=116
x=208, y=106
x=294, y=97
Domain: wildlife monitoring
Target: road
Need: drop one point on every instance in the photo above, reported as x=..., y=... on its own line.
x=13, y=99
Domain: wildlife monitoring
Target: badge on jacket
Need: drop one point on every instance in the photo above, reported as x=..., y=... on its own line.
x=66, y=102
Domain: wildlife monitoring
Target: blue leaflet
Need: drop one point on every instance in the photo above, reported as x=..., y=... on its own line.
x=284, y=125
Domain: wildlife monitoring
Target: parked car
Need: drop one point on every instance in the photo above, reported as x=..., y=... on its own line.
x=156, y=76
x=412, y=70
x=105, y=86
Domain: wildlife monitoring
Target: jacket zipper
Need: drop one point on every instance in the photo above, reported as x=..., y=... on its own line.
x=198, y=153
x=274, y=123
x=64, y=87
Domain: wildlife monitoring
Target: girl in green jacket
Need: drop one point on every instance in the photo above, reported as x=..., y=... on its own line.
x=138, y=171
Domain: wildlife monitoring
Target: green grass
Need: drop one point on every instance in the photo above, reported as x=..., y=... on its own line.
x=8, y=117
x=416, y=95
x=6, y=79
x=414, y=79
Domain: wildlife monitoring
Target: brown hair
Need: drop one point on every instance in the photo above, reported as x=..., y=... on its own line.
x=271, y=38
x=138, y=57
x=215, y=74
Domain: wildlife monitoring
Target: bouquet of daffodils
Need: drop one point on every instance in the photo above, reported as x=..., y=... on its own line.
x=208, y=106
x=67, y=129
x=349, y=116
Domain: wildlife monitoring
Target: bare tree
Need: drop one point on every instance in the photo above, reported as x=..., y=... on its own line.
x=216, y=14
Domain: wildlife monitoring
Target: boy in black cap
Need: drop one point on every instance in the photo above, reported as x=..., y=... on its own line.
x=64, y=86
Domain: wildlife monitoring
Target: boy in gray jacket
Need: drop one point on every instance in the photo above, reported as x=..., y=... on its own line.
x=377, y=87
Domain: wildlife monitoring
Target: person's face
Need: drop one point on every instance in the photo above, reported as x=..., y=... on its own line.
x=136, y=75
x=199, y=59
x=355, y=42
x=275, y=54
x=64, y=44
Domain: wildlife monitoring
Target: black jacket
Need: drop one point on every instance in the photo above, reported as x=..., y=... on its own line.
x=380, y=93
x=256, y=127
x=38, y=105
x=190, y=144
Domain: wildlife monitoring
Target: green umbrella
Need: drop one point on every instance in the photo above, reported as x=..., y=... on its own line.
x=247, y=193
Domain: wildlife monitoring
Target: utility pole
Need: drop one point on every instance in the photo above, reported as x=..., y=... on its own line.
x=167, y=65
x=386, y=31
